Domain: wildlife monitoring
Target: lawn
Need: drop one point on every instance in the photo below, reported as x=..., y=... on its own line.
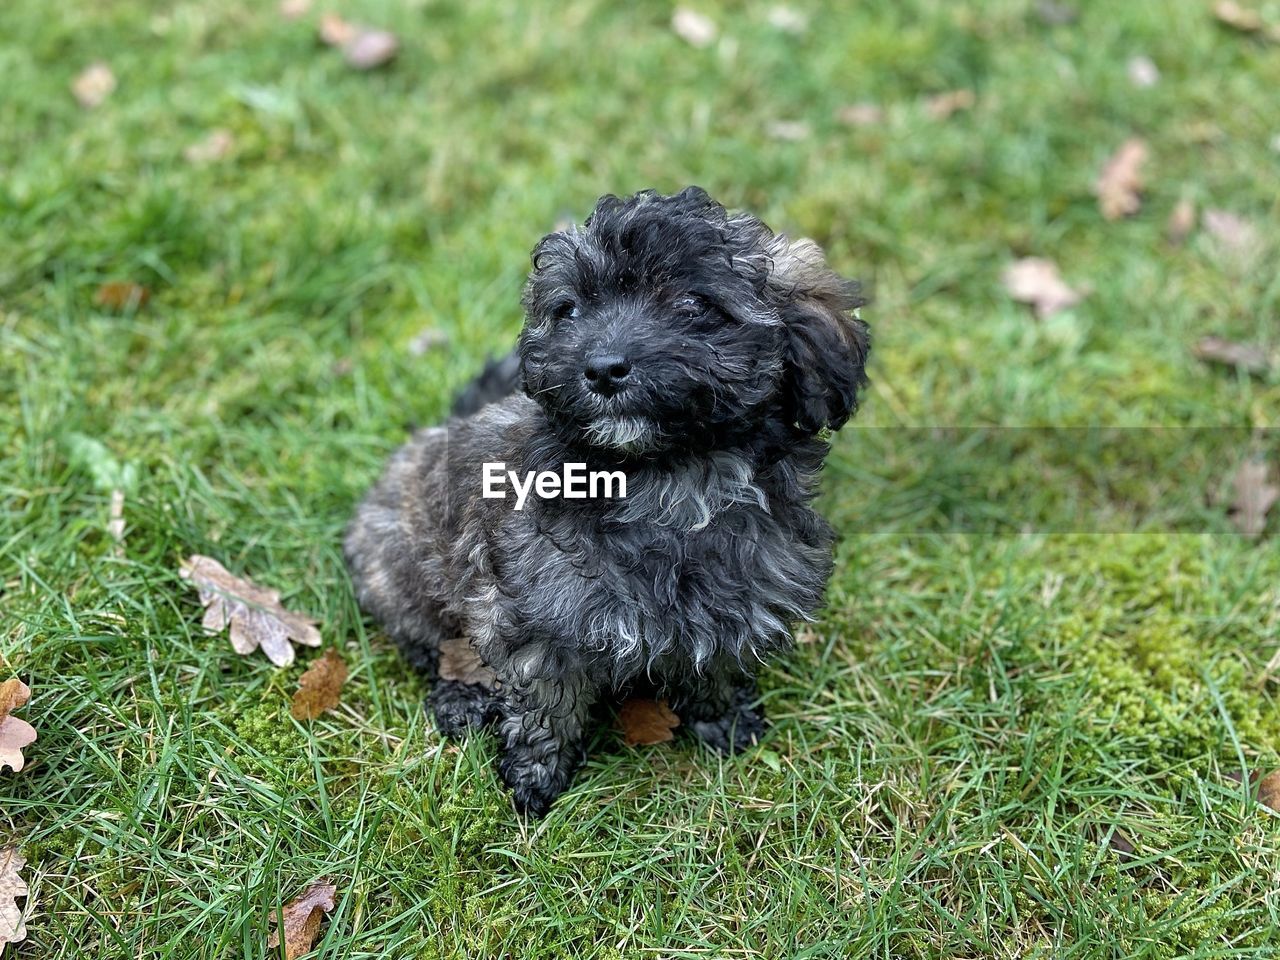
x=997, y=741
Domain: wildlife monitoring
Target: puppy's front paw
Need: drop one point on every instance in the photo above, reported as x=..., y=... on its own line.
x=461, y=707
x=732, y=732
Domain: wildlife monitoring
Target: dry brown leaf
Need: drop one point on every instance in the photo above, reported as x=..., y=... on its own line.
x=13, y=694
x=860, y=114
x=1249, y=357
x=294, y=9
x=364, y=48
x=320, y=687
x=427, y=339
x=1236, y=237
x=1233, y=15
x=789, y=130
x=93, y=85
x=645, y=722
x=1254, y=496
x=253, y=613
x=1181, y=221
x=1269, y=790
x=940, y=106
x=15, y=733
x=694, y=28
x=1035, y=280
x=459, y=661
x=215, y=145
x=302, y=917
x=1245, y=19
x=1143, y=72
x=115, y=520
x=121, y=295
x=1120, y=183
x=12, y=886
x=370, y=49
x=336, y=32
x=1121, y=844
x=788, y=20
x=1056, y=14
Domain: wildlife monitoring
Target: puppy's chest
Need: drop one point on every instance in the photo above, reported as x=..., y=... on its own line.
x=642, y=590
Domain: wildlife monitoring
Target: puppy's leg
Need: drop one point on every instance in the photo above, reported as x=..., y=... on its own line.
x=719, y=708
x=542, y=737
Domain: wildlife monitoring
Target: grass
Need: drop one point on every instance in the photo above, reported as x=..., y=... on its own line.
x=959, y=738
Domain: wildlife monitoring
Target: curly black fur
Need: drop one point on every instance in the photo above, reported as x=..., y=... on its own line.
x=705, y=356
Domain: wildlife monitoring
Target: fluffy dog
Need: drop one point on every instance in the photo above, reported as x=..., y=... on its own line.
x=704, y=356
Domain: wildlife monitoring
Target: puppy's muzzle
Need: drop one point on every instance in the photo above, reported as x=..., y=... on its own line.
x=607, y=373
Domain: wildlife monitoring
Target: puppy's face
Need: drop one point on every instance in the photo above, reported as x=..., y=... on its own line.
x=666, y=324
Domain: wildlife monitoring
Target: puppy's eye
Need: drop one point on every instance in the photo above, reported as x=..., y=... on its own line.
x=564, y=310
x=692, y=306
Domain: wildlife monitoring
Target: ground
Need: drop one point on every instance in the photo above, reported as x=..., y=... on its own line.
x=963, y=743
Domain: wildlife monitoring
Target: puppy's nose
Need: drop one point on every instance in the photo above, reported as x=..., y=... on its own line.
x=607, y=373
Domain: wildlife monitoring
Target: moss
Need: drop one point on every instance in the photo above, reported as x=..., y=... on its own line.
x=269, y=747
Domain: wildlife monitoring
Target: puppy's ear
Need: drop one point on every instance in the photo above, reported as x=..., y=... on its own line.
x=825, y=344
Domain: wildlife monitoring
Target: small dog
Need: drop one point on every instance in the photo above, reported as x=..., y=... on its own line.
x=704, y=356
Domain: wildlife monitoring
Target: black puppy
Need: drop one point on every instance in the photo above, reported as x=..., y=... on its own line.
x=704, y=357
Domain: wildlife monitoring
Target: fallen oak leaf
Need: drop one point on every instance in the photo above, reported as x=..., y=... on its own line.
x=12, y=886
x=1181, y=221
x=1036, y=281
x=320, y=687
x=645, y=722
x=364, y=48
x=426, y=340
x=93, y=85
x=370, y=49
x=1269, y=790
x=13, y=694
x=1231, y=14
x=1143, y=72
x=1244, y=19
x=863, y=114
x=460, y=662
x=253, y=613
x=302, y=917
x=215, y=145
x=694, y=28
x=1254, y=496
x=1249, y=357
x=1236, y=237
x=1120, y=182
x=15, y=733
x=1123, y=847
x=1054, y=14
x=941, y=106
x=115, y=520
x=334, y=31
x=121, y=295
x=788, y=20
x=789, y=130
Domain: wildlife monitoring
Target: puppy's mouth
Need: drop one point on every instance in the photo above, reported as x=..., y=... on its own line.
x=628, y=434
